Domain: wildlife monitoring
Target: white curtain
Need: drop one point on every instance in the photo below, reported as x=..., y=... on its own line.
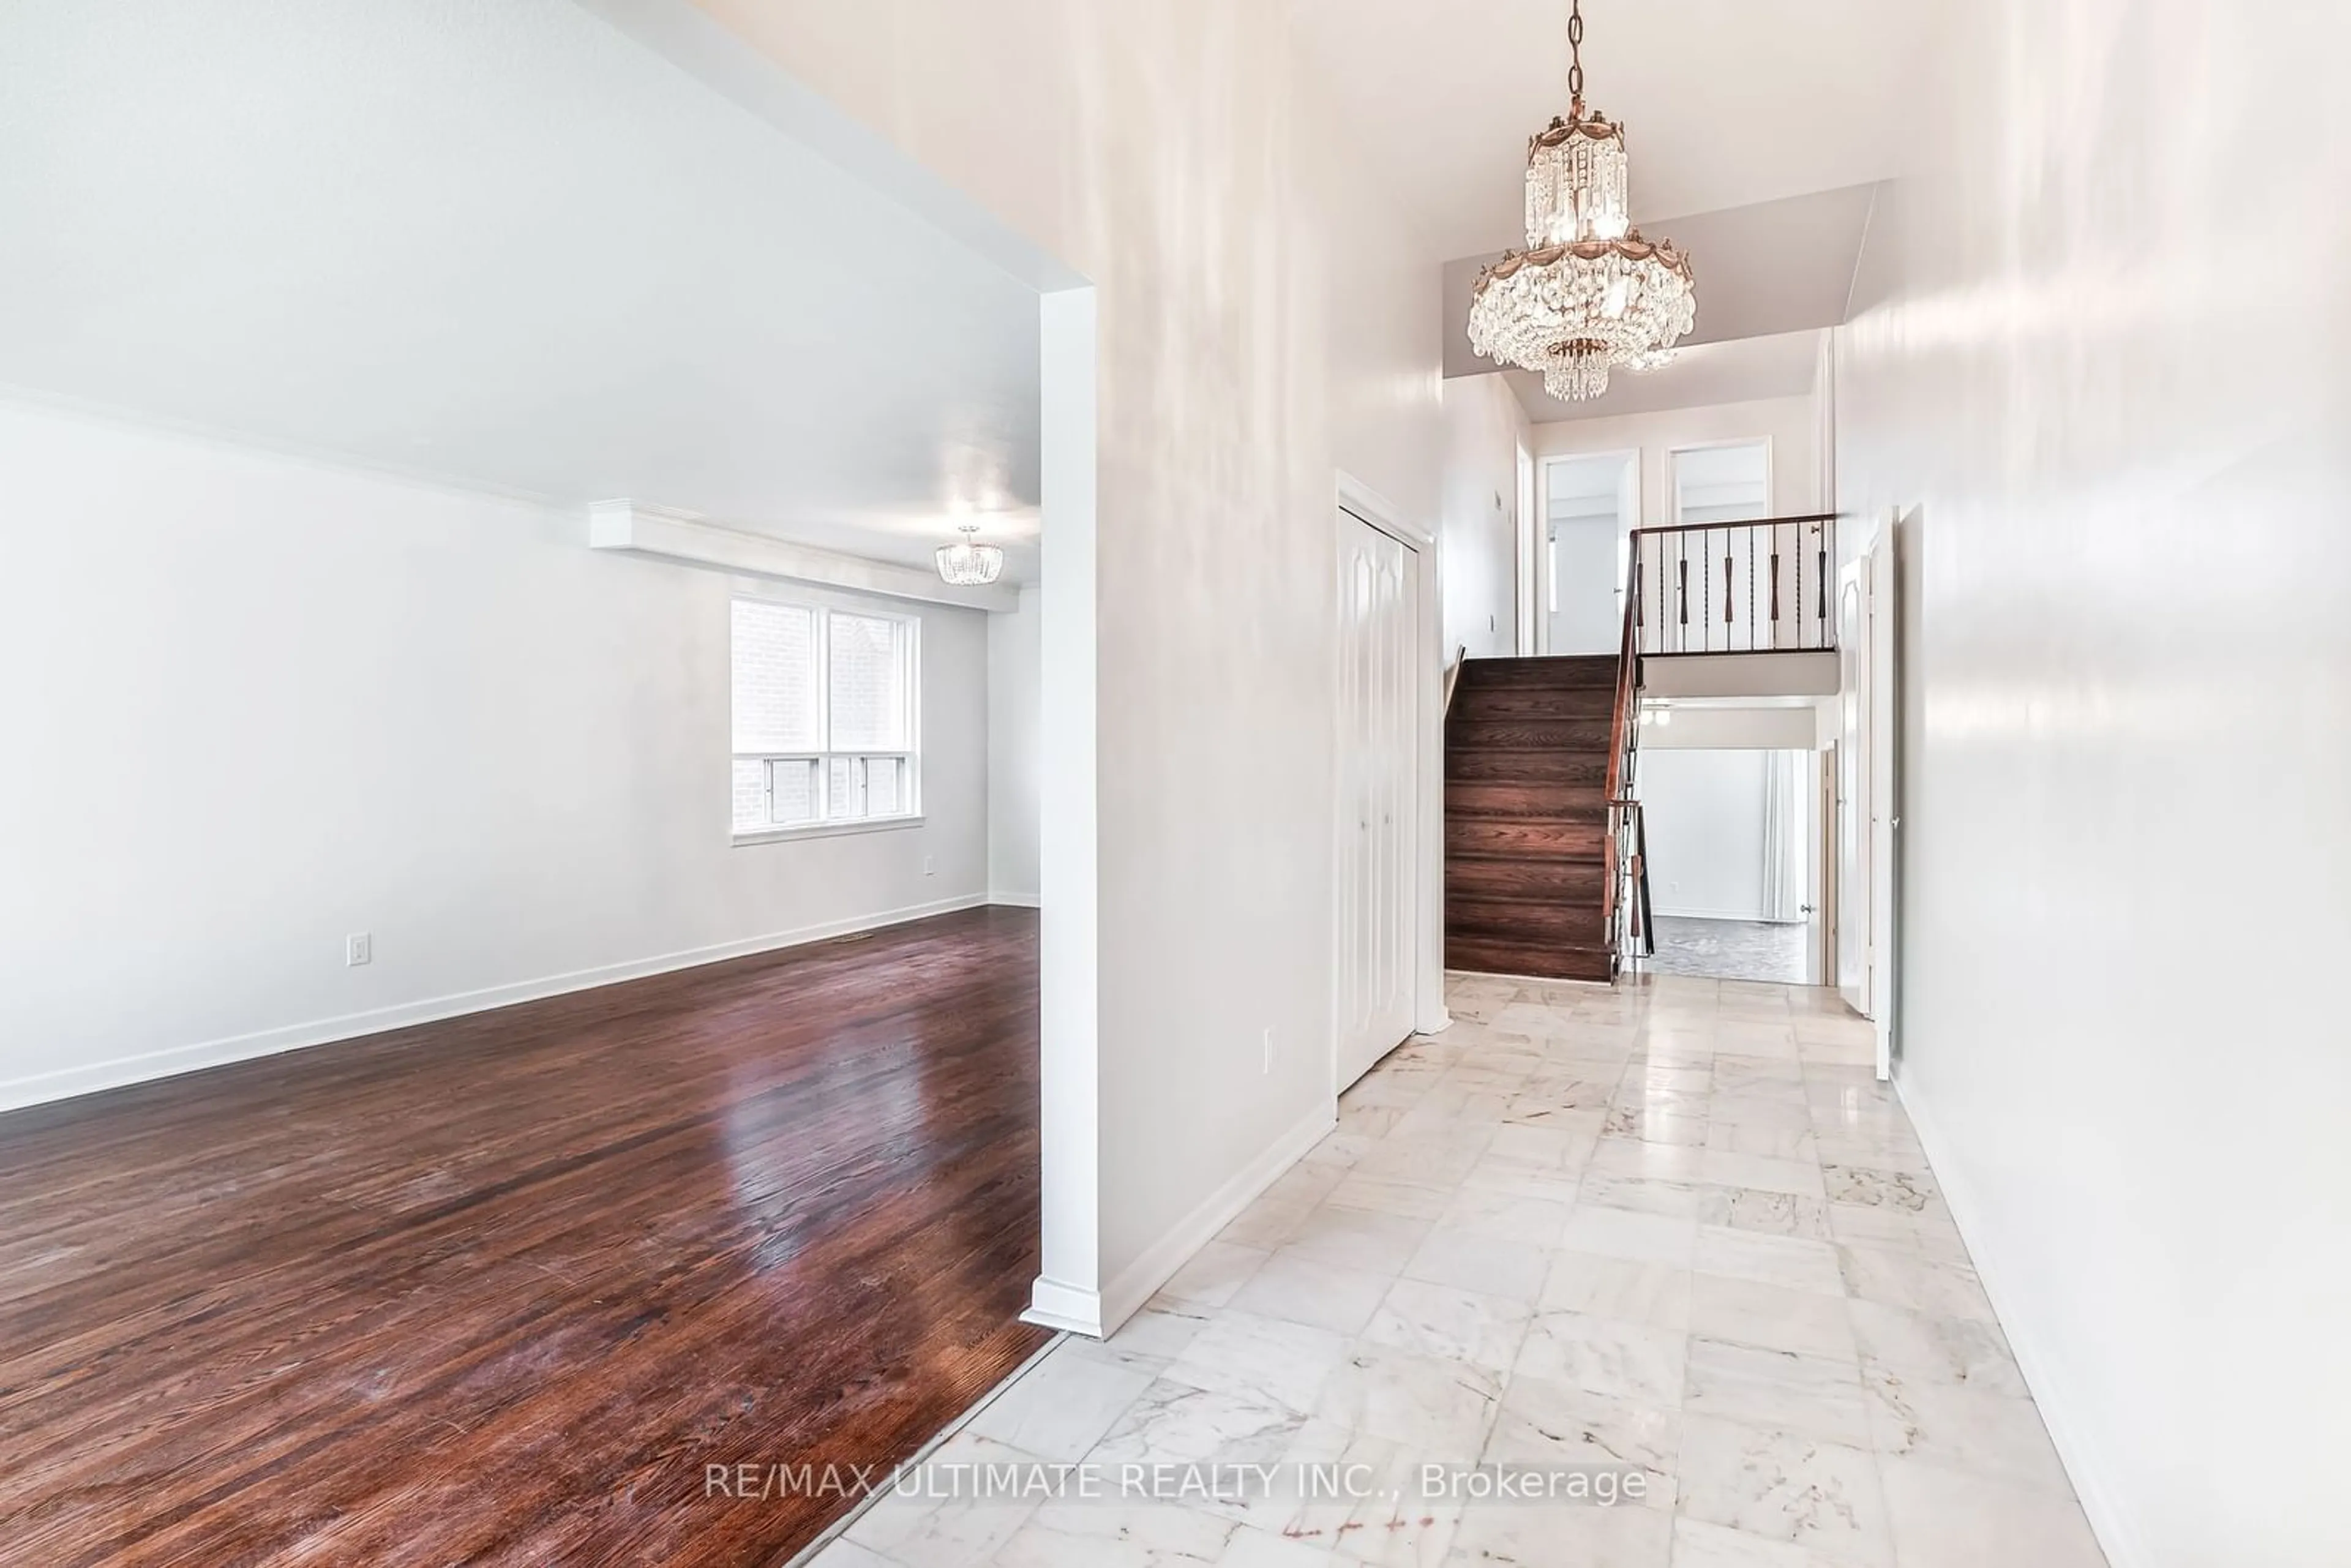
x=1787, y=882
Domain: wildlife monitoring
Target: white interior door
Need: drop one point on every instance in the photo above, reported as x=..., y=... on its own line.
x=1853, y=841
x=1378, y=869
x=1868, y=789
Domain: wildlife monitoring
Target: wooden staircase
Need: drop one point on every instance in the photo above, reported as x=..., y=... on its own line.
x=1527, y=746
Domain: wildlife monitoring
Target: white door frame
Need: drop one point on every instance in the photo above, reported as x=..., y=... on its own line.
x=1534, y=535
x=1853, y=708
x=1526, y=592
x=1369, y=505
x=1884, y=788
x=1867, y=656
x=1822, y=925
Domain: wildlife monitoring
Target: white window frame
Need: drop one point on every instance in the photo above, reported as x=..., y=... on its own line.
x=909, y=632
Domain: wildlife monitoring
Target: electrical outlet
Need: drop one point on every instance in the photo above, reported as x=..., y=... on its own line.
x=358, y=948
x=930, y=866
x=1268, y=1049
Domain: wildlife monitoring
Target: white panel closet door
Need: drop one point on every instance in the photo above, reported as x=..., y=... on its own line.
x=1378, y=873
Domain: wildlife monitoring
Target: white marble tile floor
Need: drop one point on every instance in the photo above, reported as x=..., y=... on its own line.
x=1675, y=1229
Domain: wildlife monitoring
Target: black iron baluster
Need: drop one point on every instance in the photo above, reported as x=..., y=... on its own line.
x=1681, y=600
x=1775, y=586
x=1825, y=586
x=1665, y=592
x=1704, y=590
x=1662, y=595
x=1751, y=591
x=1799, y=586
x=1640, y=618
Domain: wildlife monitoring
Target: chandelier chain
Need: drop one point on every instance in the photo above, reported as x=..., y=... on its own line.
x=1576, y=53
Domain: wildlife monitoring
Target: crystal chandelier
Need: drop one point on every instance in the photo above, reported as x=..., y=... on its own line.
x=968, y=563
x=1588, y=293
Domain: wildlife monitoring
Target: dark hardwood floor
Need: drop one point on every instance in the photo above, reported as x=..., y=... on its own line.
x=498, y=1290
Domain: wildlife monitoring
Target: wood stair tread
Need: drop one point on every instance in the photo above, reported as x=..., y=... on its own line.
x=1527, y=750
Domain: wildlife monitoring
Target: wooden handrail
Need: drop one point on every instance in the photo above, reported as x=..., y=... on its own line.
x=1623, y=724
x=1739, y=523
x=1452, y=675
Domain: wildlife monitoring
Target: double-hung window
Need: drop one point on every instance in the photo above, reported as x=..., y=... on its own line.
x=826, y=711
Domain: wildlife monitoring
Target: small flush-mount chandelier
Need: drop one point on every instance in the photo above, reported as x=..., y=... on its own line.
x=1588, y=293
x=968, y=563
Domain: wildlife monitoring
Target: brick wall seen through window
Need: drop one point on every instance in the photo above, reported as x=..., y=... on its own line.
x=825, y=706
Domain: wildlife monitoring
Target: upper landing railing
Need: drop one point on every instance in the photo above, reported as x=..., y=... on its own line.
x=1762, y=586
x=1756, y=587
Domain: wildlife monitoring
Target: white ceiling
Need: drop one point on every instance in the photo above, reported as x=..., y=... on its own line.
x=1725, y=103
x=501, y=244
x=1758, y=134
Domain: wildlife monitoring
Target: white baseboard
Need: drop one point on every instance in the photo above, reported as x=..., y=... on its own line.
x=1140, y=1281
x=2109, y=1521
x=66, y=1083
x=1017, y=900
x=1071, y=1309
x=1097, y=1315
x=1747, y=918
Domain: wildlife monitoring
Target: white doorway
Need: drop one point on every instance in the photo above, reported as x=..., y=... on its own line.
x=1591, y=505
x=1724, y=482
x=1523, y=547
x=1378, y=853
x=1867, y=787
x=1852, y=786
x=1729, y=832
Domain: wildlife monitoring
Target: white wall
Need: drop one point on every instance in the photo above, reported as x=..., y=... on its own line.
x=1484, y=426
x=1705, y=814
x=2128, y=448
x=256, y=704
x=1015, y=676
x=1264, y=321
x=1779, y=727
x=1792, y=424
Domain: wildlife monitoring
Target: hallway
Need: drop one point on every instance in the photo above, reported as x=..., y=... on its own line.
x=1730, y=949
x=1679, y=1229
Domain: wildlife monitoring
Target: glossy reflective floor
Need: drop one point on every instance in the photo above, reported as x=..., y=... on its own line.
x=1730, y=950
x=1678, y=1230
x=500, y=1289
